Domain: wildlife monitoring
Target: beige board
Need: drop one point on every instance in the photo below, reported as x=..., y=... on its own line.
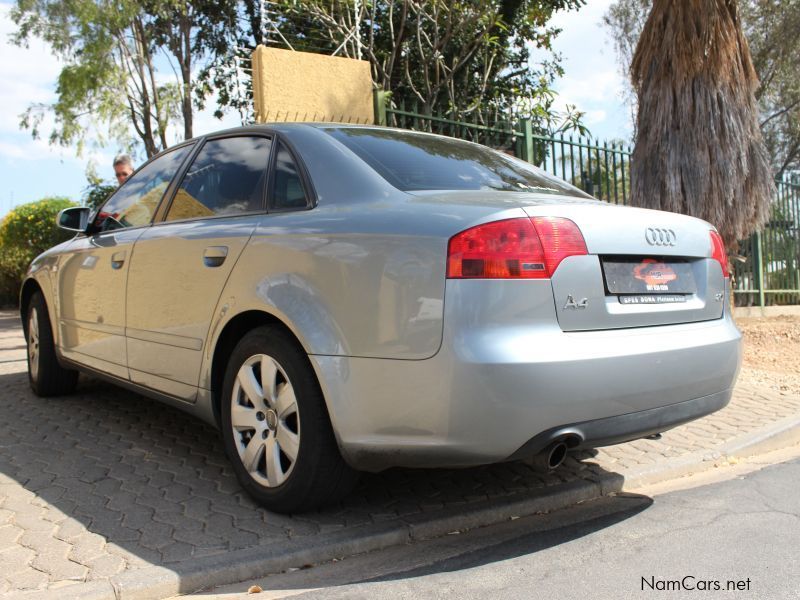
x=302, y=86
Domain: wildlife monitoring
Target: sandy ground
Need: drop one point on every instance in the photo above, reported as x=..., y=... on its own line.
x=772, y=352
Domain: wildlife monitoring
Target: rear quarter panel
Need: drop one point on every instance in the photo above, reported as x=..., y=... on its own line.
x=365, y=280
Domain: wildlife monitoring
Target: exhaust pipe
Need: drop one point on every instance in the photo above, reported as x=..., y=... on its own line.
x=551, y=457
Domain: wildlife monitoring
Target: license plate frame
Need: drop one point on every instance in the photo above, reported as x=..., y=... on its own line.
x=648, y=276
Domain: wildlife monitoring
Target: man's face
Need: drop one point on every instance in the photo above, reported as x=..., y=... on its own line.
x=122, y=172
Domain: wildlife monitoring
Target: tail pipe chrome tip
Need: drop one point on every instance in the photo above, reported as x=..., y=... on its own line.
x=551, y=457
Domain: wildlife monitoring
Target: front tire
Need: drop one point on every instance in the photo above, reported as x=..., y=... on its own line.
x=47, y=377
x=275, y=426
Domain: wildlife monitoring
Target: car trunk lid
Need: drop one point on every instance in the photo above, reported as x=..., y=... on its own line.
x=643, y=268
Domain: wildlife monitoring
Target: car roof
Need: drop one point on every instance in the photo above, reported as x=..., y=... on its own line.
x=288, y=127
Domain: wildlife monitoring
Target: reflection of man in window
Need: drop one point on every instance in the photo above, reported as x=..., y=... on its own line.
x=123, y=167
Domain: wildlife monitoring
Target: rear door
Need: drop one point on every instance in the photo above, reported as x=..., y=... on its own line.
x=181, y=264
x=93, y=274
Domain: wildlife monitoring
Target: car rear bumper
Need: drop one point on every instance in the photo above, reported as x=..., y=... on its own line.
x=507, y=379
x=624, y=428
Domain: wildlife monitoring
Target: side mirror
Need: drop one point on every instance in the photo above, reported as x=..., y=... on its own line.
x=74, y=219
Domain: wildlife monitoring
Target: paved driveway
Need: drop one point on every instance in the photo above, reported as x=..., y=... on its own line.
x=105, y=481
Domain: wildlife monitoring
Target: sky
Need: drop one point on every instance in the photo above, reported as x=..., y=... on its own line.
x=592, y=79
x=32, y=169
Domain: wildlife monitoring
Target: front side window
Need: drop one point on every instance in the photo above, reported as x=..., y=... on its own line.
x=136, y=201
x=226, y=178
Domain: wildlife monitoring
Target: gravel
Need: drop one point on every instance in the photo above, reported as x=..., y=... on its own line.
x=771, y=352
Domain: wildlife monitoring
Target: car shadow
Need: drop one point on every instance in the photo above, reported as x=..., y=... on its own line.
x=549, y=532
x=156, y=485
x=454, y=554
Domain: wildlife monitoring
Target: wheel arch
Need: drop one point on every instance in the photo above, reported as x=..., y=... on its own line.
x=29, y=287
x=233, y=331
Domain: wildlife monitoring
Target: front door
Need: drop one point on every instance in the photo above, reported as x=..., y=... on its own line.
x=92, y=276
x=180, y=266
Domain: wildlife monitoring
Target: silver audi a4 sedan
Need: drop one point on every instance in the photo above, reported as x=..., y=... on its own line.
x=339, y=299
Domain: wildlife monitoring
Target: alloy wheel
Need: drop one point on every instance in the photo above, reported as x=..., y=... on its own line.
x=265, y=420
x=33, y=343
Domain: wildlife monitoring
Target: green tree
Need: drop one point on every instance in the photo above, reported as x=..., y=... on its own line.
x=463, y=56
x=772, y=29
x=110, y=80
x=189, y=32
x=96, y=193
x=459, y=57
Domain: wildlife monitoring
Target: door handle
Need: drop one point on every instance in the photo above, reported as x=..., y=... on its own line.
x=214, y=256
x=117, y=260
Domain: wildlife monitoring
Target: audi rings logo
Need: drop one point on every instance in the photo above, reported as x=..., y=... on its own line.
x=658, y=236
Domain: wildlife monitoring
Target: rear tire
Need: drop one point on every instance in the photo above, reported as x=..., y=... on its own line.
x=276, y=429
x=47, y=377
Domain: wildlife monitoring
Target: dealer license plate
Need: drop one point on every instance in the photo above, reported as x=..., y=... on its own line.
x=648, y=276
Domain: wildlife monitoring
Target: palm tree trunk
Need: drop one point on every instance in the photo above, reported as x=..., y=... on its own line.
x=699, y=149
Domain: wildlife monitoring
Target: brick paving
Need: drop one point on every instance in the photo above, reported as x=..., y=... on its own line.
x=104, y=480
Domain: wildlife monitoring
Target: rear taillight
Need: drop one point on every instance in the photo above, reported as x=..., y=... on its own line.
x=560, y=238
x=718, y=252
x=519, y=248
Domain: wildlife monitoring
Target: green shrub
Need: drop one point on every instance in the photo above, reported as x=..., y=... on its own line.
x=33, y=225
x=25, y=232
x=13, y=265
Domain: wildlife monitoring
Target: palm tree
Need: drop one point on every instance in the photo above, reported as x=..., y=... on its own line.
x=699, y=149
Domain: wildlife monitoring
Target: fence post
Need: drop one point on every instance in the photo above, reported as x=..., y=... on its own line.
x=527, y=140
x=759, y=272
x=379, y=105
x=587, y=184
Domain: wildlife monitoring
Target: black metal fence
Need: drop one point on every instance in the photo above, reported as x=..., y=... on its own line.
x=767, y=268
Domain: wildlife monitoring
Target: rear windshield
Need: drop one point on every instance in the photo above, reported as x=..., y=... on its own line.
x=414, y=162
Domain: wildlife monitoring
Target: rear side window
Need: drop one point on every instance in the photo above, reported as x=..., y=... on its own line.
x=414, y=162
x=226, y=178
x=135, y=203
x=287, y=186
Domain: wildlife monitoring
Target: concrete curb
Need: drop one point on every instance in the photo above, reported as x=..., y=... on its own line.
x=161, y=582
x=778, y=435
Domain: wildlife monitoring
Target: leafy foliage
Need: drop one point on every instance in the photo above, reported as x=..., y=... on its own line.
x=27, y=231
x=110, y=50
x=13, y=265
x=459, y=57
x=33, y=225
x=97, y=193
x=771, y=28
